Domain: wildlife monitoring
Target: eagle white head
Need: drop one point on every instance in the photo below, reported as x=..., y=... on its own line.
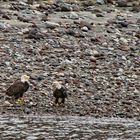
x=56, y=85
x=24, y=78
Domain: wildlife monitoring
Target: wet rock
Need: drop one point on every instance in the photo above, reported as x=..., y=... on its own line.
x=7, y=103
x=137, y=34
x=123, y=23
x=138, y=21
x=136, y=8
x=123, y=40
x=100, y=2
x=7, y=63
x=23, y=18
x=18, y=6
x=96, y=10
x=34, y=34
x=71, y=32
x=40, y=78
x=45, y=17
x=25, y=31
x=122, y=3
x=27, y=111
x=95, y=53
x=88, y=3
x=65, y=7
x=110, y=1
x=4, y=26
x=6, y=16
x=96, y=39
x=84, y=29
x=110, y=30
x=92, y=59
x=30, y=2
x=82, y=23
x=99, y=15
x=51, y=25
x=79, y=34
x=76, y=8
x=105, y=44
x=73, y=15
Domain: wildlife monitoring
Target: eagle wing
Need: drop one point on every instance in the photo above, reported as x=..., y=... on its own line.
x=16, y=88
x=55, y=93
x=64, y=92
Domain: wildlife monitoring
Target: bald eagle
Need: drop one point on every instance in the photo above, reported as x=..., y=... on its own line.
x=19, y=87
x=59, y=93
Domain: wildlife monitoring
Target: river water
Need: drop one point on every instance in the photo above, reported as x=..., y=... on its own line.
x=67, y=128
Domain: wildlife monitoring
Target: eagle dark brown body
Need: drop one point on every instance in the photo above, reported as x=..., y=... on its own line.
x=60, y=95
x=17, y=89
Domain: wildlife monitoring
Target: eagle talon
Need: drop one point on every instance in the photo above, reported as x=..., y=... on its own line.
x=20, y=101
x=55, y=104
x=58, y=104
x=62, y=104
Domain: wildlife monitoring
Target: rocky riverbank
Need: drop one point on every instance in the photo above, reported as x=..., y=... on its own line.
x=94, y=49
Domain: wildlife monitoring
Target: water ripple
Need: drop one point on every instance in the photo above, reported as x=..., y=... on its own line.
x=67, y=127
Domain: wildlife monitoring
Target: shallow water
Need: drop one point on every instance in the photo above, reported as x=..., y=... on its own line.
x=67, y=127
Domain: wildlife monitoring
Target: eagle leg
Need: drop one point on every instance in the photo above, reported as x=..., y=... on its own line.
x=55, y=102
x=62, y=103
x=63, y=100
